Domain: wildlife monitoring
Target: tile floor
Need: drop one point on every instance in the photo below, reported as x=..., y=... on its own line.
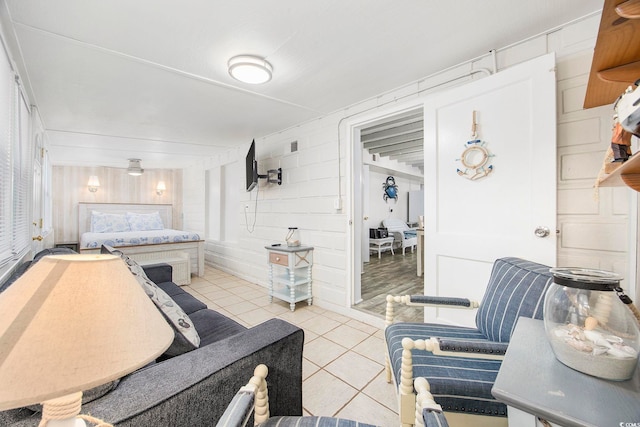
x=343, y=365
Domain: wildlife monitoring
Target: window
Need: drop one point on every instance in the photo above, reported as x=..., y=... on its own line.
x=7, y=97
x=15, y=167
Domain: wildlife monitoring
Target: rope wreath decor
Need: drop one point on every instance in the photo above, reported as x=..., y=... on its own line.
x=475, y=157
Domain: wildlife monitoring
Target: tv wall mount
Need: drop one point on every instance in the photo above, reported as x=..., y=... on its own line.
x=273, y=176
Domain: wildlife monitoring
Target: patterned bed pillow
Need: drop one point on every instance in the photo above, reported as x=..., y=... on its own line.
x=144, y=222
x=186, y=337
x=108, y=223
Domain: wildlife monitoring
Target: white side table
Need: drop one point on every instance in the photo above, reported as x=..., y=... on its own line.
x=293, y=284
x=381, y=245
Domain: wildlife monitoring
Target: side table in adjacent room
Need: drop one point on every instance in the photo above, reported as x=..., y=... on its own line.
x=290, y=273
x=382, y=244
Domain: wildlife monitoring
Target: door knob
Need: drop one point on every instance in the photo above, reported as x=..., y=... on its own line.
x=38, y=238
x=366, y=218
x=541, y=231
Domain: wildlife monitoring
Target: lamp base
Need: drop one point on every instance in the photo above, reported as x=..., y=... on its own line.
x=69, y=422
x=63, y=411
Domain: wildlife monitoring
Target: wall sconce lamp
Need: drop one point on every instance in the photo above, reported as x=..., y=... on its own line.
x=93, y=183
x=161, y=188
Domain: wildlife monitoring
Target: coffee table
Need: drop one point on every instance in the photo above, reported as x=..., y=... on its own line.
x=381, y=245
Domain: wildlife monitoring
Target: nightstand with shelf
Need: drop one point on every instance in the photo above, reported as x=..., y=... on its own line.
x=290, y=273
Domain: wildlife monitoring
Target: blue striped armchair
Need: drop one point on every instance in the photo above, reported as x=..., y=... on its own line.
x=253, y=399
x=460, y=364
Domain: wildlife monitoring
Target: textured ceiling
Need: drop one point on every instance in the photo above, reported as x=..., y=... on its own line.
x=148, y=79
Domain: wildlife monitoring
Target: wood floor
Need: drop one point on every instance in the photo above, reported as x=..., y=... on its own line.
x=395, y=275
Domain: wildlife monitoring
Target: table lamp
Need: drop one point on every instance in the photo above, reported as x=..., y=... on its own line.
x=71, y=323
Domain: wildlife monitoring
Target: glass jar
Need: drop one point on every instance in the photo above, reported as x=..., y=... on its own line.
x=293, y=237
x=589, y=328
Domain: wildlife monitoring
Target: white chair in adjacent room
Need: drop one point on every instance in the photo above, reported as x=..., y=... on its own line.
x=404, y=236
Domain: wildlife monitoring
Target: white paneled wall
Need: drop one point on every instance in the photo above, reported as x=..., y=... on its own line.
x=594, y=225
x=592, y=234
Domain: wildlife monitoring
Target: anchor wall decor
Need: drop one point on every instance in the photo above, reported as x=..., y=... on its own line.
x=475, y=157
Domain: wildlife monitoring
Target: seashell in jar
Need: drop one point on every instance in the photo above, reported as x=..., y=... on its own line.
x=599, y=350
x=590, y=323
x=624, y=351
x=579, y=345
x=613, y=339
x=561, y=332
x=576, y=332
x=597, y=338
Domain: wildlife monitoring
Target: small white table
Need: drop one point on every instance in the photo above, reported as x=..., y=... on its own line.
x=294, y=284
x=381, y=245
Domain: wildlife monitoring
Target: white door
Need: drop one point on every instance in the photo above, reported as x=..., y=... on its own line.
x=365, y=219
x=470, y=223
x=37, y=214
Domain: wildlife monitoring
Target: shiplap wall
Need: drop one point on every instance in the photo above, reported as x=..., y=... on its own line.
x=116, y=186
x=592, y=234
x=594, y=225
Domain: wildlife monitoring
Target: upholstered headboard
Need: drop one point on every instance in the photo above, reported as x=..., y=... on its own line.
x=85, y=209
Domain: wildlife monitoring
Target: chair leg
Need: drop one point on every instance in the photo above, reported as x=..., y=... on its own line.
x=407, y=398
x=388, y=320
x=261, y=411
x=387, y=368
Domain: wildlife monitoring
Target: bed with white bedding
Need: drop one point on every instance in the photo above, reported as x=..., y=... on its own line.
x=135, y=238
x=139, y=231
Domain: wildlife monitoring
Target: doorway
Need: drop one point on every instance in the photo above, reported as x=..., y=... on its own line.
x=472, y=222
x=391, y=151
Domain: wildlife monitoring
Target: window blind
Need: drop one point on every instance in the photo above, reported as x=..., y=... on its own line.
x=22, y=169
x=7, y=89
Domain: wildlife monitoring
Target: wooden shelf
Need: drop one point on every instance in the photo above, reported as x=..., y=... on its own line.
x=616, y=57
x=627, y=174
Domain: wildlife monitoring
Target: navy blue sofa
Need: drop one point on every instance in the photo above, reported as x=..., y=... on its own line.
x=194, y=388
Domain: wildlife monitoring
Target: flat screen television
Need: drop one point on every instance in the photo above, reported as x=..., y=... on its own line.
x=251, y=167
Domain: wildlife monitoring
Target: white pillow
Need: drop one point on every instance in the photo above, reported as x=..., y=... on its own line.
x=143, y=222
x=107, y=223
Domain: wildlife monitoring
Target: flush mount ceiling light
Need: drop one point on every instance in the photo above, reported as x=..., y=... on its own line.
x=134, y=168
x=250, y=69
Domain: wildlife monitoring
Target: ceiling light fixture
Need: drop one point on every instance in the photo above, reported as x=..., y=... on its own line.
x=250, y=69
x=134, y=168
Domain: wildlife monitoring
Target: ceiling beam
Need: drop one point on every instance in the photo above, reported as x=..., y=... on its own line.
x=393, y=124
x=406, y=147
x=407, y=157
x=398, y=139
x=402, y=130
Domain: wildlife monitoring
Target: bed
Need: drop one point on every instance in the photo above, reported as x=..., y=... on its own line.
x=139, y=231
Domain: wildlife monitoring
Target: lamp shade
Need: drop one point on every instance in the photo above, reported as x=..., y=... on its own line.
x=93, y=183
x=71, y=323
